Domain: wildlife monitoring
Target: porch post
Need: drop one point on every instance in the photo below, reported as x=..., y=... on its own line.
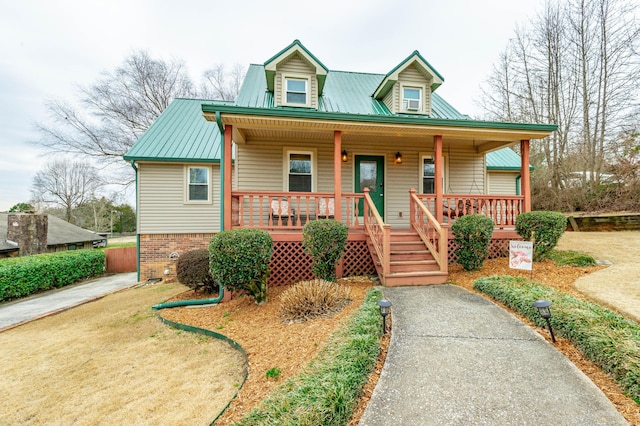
x=525, y=184
x=439, y=173
x=337, y=174
x=226, y=184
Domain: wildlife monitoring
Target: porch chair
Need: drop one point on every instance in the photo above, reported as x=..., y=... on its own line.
x=326, y=209
x=281, y=214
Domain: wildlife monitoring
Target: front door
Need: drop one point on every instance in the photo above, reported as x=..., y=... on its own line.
x=370, y=174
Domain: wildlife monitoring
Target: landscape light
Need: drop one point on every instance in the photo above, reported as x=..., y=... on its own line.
x=384, y=305
x=545, y=312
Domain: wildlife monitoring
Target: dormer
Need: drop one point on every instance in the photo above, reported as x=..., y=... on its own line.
x=295, y=77
x=407, y=88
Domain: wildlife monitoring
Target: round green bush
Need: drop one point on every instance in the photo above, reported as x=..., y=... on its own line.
x=192, y=270
x=325, y=241
x=543, y=228
x=239, y=260
x=472, y=235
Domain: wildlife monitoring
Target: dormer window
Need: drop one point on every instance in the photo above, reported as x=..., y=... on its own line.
x=412, y=99
x=296, y=91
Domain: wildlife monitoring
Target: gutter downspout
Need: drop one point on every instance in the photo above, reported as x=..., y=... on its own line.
x=222, y=169
x=133, y=165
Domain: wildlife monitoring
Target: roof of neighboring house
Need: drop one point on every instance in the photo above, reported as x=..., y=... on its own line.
x=58, y=232
x=504, y=159
x=179, y=134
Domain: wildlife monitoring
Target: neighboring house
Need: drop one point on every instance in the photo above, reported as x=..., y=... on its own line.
x=503, y=172
x=23, y=234
x=382, y=153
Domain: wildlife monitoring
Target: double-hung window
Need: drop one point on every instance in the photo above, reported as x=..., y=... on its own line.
x=300, y=171
x=428, y=175
x=198, y=184
x=296, y=91
x=411, y=98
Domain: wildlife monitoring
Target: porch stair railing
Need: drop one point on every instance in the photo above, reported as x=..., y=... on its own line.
x=403, y=257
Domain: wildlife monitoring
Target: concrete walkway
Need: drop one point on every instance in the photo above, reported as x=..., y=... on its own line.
x=457, y=359
x=19, y=312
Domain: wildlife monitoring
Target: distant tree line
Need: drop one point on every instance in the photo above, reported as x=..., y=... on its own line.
x=577, y=65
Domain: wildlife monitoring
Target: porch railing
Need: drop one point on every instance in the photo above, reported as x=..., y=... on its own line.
x=292, y=210
x=502, y=209
x=379, y=232
x=434, y=235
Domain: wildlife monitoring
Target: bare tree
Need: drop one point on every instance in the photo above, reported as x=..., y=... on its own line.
x=116, y=110
x=219, y=84
x=66, y=185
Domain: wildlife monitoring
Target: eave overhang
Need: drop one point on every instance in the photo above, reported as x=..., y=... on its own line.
x=279, y=118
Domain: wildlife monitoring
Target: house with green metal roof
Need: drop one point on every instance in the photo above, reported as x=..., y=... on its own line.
x=382, y=153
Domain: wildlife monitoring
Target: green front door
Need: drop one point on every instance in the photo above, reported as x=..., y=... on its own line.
x=370, y=174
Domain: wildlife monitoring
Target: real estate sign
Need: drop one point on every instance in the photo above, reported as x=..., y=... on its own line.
x=521, y=255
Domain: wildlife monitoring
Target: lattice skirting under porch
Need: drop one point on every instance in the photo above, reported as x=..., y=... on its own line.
x=290, y=264
x=499, y=247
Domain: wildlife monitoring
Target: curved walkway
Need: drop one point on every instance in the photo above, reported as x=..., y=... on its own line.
x=455, y=358
x=21, y=311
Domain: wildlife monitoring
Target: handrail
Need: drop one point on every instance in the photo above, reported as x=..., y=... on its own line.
x=379, y=232
x=434, y=236
x=502, y=209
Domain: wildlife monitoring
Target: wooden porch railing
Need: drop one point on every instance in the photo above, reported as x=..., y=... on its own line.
x=502, y=209
x=291, y=210
x=434, y=236
x=379, y=232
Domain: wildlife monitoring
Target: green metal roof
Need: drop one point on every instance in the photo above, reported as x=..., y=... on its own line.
x=504, y=159
x=179, y=134
x=344, y=92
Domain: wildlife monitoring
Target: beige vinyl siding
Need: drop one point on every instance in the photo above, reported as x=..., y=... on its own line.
x=390, y=98
x=466, y=173
x=410, y=76
x=295, y=67
x=161, y=205
x=502, y=183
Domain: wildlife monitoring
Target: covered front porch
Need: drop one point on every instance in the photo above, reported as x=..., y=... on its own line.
x=398, y=219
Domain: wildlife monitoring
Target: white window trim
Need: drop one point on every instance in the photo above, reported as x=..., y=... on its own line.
x=284, y=89
x=287, y=151
x=209, y=199
x=422, y=89
x=445, y=171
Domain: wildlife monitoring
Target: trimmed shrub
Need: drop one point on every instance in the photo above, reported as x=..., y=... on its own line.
x=307, y=300
x=472, y=236
x=23, y=276
x=239, y=260
x=325, y=241
x=192, y=270
x=606, y=338
x=543, y=228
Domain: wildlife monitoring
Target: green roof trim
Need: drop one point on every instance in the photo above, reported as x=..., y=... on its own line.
x=295, y=46
x=180, y=134
x=292, y=112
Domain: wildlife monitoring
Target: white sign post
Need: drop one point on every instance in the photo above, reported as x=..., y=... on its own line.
x=521, y=255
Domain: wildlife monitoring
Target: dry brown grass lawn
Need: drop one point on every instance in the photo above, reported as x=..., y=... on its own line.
x=113, y=362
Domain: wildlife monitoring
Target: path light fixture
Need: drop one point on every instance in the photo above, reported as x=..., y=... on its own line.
x=384, y=305
x=545, y=312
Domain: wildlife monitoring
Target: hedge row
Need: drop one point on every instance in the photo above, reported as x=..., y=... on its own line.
x=327, y=390
x=603, y=336
x=23, y=276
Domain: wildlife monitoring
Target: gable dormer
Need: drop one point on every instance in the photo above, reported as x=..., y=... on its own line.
x=407, y=88
x=295, y=77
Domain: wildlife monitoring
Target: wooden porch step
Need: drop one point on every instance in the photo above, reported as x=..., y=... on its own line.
x=415, y=278
x=413, y=266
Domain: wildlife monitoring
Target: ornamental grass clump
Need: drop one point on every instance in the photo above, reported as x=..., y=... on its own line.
x=307, y=300
x=543, y=228
x=239, y=260
x=325, y=241
x=192, y=270
x=472, y=236
x=606, y=338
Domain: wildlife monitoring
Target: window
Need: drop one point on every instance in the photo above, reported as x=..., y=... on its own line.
x=428, y=175
x=411, y=98
x=300, y=172
x=198, y=184
x=296, y=91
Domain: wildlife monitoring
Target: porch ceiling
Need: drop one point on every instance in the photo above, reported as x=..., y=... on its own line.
x=252, y=127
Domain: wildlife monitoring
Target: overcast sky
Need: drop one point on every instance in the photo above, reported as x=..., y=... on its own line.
x=49, y=48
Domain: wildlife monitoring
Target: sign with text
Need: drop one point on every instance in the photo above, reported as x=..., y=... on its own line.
x=521, y=255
